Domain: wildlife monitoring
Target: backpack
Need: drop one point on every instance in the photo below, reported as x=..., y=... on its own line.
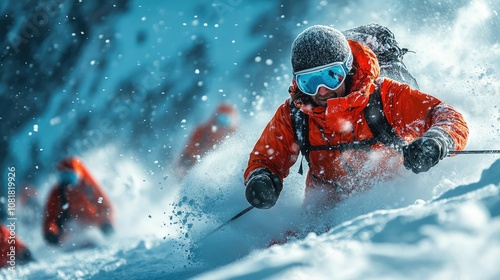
x=382, y=42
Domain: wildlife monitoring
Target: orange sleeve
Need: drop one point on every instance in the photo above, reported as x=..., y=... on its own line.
x=103, y=205
x=412, y=113
x=276, y=148
x=52, y=210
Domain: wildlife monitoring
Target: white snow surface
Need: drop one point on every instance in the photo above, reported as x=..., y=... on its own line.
x=442, y=224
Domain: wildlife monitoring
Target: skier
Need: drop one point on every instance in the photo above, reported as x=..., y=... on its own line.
x=334, y=88
x=222, y=124
x=76, y=201
x=12, y=250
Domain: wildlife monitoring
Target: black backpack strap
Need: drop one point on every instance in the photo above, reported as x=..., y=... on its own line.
x=300, y=126
x=378, y=124
x=375, y=118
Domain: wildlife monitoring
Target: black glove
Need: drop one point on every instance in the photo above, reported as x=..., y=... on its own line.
x=25, y=257
x=263, y=189
x=426, y=151
x=52, y=239
x=107, y=229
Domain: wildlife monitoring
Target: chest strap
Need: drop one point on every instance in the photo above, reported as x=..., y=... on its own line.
x=375, y=118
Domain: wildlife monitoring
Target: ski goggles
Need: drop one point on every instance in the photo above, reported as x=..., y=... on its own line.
x=224, y=120
x=330, y=76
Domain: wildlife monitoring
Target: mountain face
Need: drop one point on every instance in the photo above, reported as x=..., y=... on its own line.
x=79, y=75
x=44, y=60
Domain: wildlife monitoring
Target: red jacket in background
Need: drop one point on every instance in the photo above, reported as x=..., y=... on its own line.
x=8, y=257
x=207, y=136
x=84, y=203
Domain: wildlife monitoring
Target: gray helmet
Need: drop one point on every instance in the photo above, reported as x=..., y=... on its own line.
x=319, y=45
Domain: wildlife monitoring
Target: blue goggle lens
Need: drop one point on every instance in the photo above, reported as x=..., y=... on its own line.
x=330, y=76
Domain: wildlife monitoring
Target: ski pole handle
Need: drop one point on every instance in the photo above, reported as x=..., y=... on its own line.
x=470, y=152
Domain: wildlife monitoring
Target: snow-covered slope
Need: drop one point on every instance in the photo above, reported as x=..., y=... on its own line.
x=143, y=74
x=454, y=236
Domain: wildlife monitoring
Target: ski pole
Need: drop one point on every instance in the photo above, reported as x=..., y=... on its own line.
x=229, y=221
x=469, y=152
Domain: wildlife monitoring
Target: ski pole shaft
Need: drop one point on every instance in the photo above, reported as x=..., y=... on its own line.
x=469, y=152
x=229, y=221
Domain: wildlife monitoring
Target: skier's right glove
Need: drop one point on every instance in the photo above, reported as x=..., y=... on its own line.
x=263, y=188
x=426, y=151
x=25, y=257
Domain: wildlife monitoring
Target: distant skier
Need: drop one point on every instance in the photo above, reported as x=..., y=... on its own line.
x=9, y=240
x=336, y=92
x=76, y=202
x=222, y=124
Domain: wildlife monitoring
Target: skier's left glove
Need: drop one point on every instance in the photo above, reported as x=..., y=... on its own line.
x=426, y=151
x=52, y=238
x=107, y=228
x=263, y=188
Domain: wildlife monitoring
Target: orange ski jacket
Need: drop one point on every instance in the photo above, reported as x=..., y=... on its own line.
x=410, y=112
x=85, y=203
x=206, y=136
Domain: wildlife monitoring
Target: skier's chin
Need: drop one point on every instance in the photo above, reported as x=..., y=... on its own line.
x=320, y=102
